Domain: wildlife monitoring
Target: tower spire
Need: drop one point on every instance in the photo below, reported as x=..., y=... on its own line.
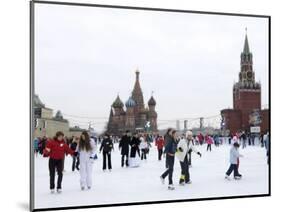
x=246, y=49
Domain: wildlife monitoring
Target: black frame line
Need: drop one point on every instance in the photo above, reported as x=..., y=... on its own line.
x=32, y=55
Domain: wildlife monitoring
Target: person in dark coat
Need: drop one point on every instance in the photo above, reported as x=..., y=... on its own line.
x=135, y=142
x=75, y=157
x=170, y=150
x=106, y=148
x=166, y=137
x=124, y=147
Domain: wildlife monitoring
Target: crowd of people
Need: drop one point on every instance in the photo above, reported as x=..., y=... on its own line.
x=135, y=147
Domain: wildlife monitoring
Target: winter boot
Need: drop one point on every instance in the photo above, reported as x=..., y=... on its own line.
x=238, y=177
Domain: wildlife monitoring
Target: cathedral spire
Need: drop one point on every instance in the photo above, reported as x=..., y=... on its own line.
x=137, y=74
x=137, y=92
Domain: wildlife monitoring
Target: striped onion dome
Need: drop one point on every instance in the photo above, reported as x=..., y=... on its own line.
x=130, y=102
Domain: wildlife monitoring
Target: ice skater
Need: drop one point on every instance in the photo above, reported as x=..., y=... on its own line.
x=160, y=144
x=75, y=157
x=170, y=150
x=87, y=151
x=183, y=148
x=56, y=150
x=106, y=148
x=124, y=145
x=234, y=160
x=143, y=148
x=135, y=142
x=209, y=141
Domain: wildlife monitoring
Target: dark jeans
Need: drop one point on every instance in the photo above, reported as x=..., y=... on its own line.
x=160, y=152
x=233, y=167
x=75, y=163
x=123, y=159
x=143, y=154
x=209, y=146
x=170, y=160
x=53, y=166
x=185, y=177
x=244, y=143
x=108, y=156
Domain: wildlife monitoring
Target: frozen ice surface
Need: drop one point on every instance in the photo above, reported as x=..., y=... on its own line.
x=142, y=184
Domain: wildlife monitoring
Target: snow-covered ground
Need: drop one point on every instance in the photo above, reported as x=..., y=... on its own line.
x=124, y=185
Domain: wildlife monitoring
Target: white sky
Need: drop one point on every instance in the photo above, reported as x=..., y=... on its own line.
x=84, y=56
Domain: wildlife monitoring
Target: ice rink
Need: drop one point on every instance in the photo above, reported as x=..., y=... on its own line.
x=124, y=185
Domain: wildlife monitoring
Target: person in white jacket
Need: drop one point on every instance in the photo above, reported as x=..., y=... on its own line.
x=233, y=159
x=143, y=147
x=184, y=146
x=87, y=150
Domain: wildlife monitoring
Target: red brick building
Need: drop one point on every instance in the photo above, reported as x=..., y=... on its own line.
x=246, y=110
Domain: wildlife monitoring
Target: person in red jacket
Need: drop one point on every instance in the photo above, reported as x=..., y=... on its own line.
x=160, y=144
x=56, y=150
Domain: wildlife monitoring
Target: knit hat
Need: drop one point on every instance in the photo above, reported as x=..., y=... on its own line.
x=189, y=133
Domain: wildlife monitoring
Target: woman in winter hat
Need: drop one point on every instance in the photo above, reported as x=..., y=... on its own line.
x=143, y=147
x=234, y=158
x=183, y=148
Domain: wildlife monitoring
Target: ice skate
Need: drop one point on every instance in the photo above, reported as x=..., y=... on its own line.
x=89, y=187
x=238, y=177
x=59, y=190
x=52, y=191
x=188, y=182
x=171, y=187
x=82, y=188
x=162, y=180
x=227, y=177
x=181, y=183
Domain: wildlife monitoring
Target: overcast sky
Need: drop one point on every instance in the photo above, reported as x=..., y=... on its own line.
x=84, y=56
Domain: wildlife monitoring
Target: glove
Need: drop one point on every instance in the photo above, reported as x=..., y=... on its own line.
x=45, y=153
x=180, y=149
x=75, y=154
x=189, y=151
x=198, y=153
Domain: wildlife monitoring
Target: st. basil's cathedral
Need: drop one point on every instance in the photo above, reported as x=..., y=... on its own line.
x=135, y=117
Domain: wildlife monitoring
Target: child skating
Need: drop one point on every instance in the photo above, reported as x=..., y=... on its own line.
x=234, y=159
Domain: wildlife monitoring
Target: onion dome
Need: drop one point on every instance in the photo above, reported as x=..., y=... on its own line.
x=152, y=101
x=117, y=103
x=59, y=115
x=130, y=102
